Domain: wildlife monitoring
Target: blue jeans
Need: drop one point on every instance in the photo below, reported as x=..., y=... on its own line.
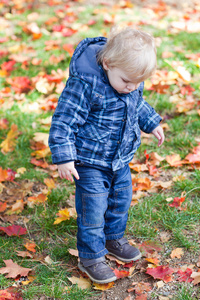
x=103, y=198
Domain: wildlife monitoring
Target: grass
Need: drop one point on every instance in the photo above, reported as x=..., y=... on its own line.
x=152, y=215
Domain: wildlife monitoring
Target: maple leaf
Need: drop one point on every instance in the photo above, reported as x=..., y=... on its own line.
x=103, y=287
x=30, y=246
x=121, y=273
x=50, y=183
x=178, y=252
x=20, y=84
x=140, y=184
x=150, y=247
x=185, y=276
x=24, y=254
x=177, y=202
x=4, y=123
x=73, y=252
x=69, y=48
x=13, y=269
x=174, y=160
x=14, y=230
x=39, y=163
x=83, y=283
x=9, y=143
x=8, y=66
x=41, y=153
x=10, y=293
x=141, y=297
x=196, y=277
x=41, y=198
x=3, y=206
x=161, y=272
x=65, y=214
x=16, y=208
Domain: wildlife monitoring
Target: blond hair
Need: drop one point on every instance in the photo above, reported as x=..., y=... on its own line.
x=131, y=50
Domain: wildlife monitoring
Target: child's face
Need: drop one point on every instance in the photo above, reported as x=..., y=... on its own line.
x=120, y=81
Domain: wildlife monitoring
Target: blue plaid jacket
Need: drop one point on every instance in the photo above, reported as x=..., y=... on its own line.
x=92, y=122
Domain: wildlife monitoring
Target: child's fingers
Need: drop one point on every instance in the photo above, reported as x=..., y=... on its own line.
x=75, y=173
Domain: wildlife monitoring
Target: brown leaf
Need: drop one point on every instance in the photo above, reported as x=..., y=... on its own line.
x=13, y=269
x=24, y=254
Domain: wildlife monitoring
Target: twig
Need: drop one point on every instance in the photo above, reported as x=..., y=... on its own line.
x=196, y=188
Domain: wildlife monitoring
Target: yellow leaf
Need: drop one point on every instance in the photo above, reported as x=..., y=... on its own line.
x=50, y=183
x=9, y=143
x=174, y=160
x=16, y=208
x=41, y=153
x=83, y=283
x=103, y=287
x=62, y=216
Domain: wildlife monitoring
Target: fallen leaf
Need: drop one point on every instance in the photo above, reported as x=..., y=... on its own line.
x=196, y=276
x=83, y=283
x=14, y=230
x=174, y=160
x=178, y=252
x=30, y=246
x=24, y=254
x=185, y=276
x=41, y=198
x=103, y=287
x=8, y=145
x=13, y=269
x=121, y=273
x=3, y=206
x=161, y=272
x=177, y=202
x=10, y=293
x=73, y=252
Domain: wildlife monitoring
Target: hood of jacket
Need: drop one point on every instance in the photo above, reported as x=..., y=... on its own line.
x=84, y=60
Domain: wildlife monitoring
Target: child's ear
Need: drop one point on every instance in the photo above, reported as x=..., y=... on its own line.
x=105, y=64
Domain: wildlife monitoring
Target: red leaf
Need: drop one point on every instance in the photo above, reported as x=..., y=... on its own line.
x=150, y=247
x=8, y=65
x=121, y=274
x=185, y=276
x=177, y=202
x=14, y=230
x=20, y=84
x=10, y=293
x=161, y=272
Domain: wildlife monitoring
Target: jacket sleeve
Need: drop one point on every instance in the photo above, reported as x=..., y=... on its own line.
x=148, y=118
x=71, y=112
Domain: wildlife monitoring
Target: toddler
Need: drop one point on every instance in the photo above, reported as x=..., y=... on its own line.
x=94, y=134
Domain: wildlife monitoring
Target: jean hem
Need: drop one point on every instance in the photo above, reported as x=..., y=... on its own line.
x=114, y=236
x=93, y=255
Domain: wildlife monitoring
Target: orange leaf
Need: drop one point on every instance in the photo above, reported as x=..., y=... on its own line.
x=121, y=274
x=41, y=198
x=69, y=48
x=140, y=184
x=178, y=252
x=30, y=246
x=3, y=206
x=174, y=160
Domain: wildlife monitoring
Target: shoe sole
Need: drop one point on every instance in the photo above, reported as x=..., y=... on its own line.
x=96, y=280
x=126, y=260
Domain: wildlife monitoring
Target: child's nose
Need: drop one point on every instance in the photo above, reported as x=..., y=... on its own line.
x=132, y=86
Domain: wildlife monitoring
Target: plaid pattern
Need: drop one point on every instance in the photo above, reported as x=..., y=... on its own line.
x=95, y=124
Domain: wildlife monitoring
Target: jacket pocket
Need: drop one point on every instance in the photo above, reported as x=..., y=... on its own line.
x=89, y=131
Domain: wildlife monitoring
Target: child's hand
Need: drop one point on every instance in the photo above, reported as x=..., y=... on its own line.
x=66, y=171
x=159, y=134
